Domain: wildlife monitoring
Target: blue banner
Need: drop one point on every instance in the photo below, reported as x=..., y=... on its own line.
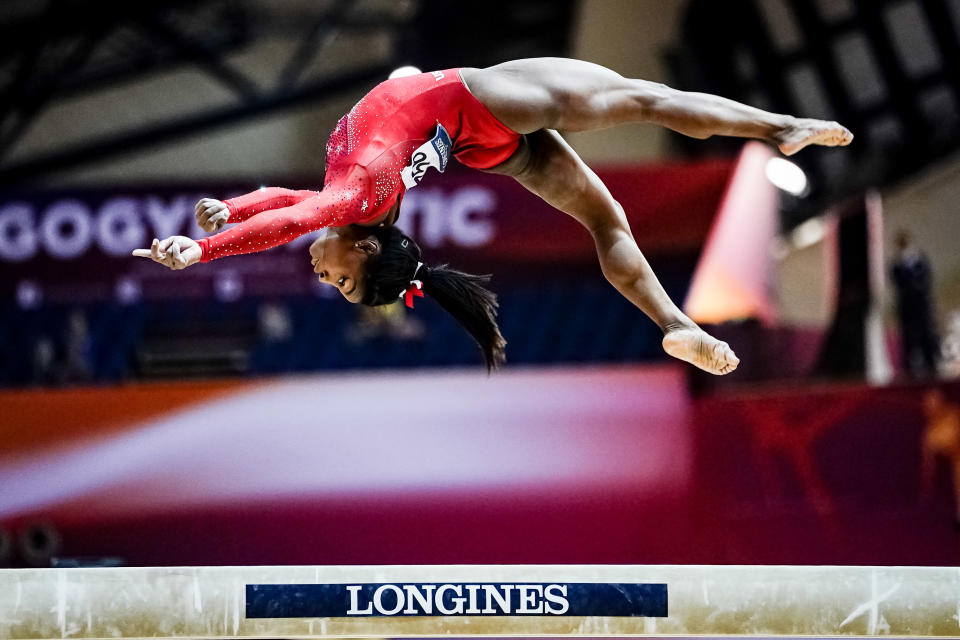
x=456, y=599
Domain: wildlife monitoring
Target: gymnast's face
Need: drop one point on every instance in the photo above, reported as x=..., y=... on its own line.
x=339, y=259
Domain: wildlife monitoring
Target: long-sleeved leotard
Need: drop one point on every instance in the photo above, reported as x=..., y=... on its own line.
x=265, y=199
x=273, y=216
x=368, y=152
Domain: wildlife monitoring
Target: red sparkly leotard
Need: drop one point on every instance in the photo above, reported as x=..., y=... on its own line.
x=390, y=132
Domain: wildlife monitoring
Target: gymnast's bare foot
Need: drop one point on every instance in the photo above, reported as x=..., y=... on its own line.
x=804, y=131
x=696, y=346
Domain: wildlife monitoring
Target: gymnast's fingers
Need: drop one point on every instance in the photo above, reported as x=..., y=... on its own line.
x=178, y=260
x=216, y=221
x=203, y=203
x=204, y=209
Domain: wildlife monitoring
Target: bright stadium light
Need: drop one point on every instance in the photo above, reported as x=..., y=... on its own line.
x=400, y=72
x=787, y=176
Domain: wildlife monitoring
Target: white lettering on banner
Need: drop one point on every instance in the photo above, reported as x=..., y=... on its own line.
x=468, y=230
x=428, y=207
x=461, y=218
x=18, y=239
x=65, y=229
x=168, y=219
x=119, y=229
x=494, y=595
x=472, y=607
x=557, y=594
x=378, y=599
x=68, y=228
x=531, y=598
x=423, y=599
x=355, y=609
x=457, y=602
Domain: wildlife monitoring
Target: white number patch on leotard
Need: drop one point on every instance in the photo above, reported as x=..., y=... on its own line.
x=432, y=153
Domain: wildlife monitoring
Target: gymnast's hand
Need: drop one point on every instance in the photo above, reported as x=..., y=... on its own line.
x=211, y=214
x=176, y=252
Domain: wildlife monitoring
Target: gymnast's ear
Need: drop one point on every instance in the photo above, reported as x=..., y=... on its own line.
x=369, y=245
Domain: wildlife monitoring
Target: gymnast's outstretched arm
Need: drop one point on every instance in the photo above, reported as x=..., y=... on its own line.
x=263, y=226
x=551, y=169
x=212, y=214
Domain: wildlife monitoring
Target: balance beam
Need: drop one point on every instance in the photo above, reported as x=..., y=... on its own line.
x=512, y=600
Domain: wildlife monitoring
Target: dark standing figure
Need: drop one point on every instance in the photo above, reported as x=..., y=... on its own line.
x=913, y=282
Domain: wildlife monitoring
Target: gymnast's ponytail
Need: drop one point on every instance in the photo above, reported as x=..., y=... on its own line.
x=463, y=295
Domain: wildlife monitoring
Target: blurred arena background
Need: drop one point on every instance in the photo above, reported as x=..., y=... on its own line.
x=237, y=413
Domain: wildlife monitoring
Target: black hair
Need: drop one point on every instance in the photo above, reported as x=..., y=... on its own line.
x=463, y=295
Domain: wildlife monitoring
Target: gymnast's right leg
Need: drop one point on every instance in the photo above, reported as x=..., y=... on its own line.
x=573, y=95
x=546, y=165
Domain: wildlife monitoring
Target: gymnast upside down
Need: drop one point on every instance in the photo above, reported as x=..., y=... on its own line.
x=502, y=119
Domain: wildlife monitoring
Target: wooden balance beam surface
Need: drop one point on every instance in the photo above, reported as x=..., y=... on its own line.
x=515, y=600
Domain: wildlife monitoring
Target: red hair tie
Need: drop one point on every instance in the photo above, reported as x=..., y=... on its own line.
x=415, y=288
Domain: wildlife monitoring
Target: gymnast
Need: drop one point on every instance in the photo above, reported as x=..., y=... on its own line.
x=502, y=119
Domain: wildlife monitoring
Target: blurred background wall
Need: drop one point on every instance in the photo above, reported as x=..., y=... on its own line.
x=623, y=35
x=639, y=39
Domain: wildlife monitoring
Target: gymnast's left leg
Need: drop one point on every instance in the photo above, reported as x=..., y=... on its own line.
x=573, y=95
x=546, y=165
